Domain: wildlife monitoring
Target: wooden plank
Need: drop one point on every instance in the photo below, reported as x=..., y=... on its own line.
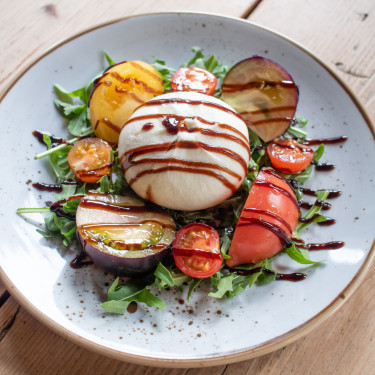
x=2, y=288
x=340, y=32
x=28, y=28
x=8, y=314
x=27, y=347
x=345, y=342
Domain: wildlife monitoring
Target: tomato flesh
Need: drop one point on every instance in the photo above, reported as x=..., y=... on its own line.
x=196, y=79
x=196, y=250
x=266, y=223
x=289, y=156
x=90, y=159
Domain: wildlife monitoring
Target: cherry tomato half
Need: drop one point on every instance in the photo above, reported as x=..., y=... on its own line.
x=195, y=79
x=266, y=222
x=90, y=159
x=196, y=250
x=289, y=156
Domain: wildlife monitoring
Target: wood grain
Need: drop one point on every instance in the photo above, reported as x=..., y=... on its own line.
x=341, y=33
x=28, y=28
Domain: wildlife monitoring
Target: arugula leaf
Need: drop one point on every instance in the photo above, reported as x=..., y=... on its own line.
x=240, y=283
x=71, y=206
x=164, y=275
x=302, y=122
x=80, y=123
x=59, y=160
x=109, y=59
x=65, y=96
x=74, y=105
x=315, y=209
x=138, y=290
x=258, y=150
x=104, y=185
x=69, y=109
x=295, y=128
x=318, y=153
x=223, y=286
x=165, y=71
x=197, y=59
x=193, y=284
x=299, y=255
x=115, y=182
x=120, y=296
x=59, y=227
x=62, y=227
x=300, y=177
x=235, y=281
x=225, y=242
x=71, y=189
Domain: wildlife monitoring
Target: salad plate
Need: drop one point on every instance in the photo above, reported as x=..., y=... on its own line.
x=199, y=331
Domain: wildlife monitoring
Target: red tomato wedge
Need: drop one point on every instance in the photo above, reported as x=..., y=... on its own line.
x=266, y=222
x=289, y=156
x=195, y=79
x=90, y=159
x=196, y=250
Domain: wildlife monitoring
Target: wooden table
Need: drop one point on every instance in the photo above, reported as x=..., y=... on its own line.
x=341, y=33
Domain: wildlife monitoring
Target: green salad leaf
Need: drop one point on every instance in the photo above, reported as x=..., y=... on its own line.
x=120, y=297
x=74, y=107
x=59, y=160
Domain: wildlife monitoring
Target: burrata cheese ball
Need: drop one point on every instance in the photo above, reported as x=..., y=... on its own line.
x=184, y=151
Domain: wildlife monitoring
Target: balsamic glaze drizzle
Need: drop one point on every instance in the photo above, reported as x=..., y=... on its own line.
x=57, y=208
x=81, y=260
x=311, y=192
x=53, y=187
x=295, y=276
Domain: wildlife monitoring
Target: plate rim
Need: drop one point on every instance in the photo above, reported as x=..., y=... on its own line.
x=250, y=352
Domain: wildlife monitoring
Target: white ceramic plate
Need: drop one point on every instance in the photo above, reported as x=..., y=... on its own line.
x=201, y=331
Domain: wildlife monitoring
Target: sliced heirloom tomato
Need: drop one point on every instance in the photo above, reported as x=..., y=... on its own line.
x=289, y=156
x=196, y=250
x=90, y=159
x=123, y=234
x=266, y=222
x=118, y=92
x=196, y=79
x=263, y=93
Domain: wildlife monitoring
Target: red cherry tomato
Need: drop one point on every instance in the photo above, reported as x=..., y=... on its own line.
x=267, y=221
x=90, y=159
x=289, y=156
x=196, y=250
x=195, y=79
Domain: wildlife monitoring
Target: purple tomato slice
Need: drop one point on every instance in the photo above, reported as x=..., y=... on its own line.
x=263, y=93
